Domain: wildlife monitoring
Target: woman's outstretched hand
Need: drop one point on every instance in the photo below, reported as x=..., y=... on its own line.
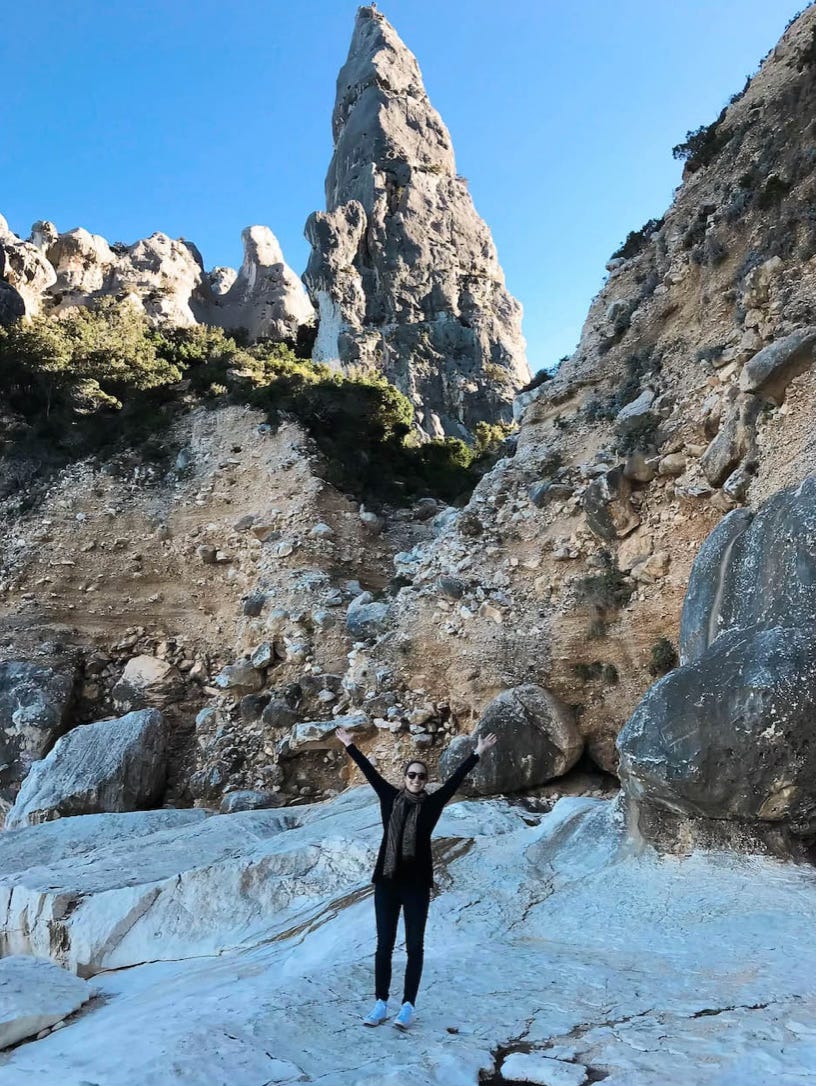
x=344, y=736
x=485, y=742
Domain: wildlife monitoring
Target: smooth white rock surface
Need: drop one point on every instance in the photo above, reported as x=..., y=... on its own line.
x=552, y=936
x=34, y=994
x=542, y=1070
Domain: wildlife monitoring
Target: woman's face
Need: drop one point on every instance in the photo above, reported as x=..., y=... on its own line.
x=416, y=776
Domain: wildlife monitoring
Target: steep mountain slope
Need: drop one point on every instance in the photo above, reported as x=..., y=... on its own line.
x=692, y=392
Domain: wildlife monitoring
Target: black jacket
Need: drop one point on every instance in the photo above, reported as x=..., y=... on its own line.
x=420, y=870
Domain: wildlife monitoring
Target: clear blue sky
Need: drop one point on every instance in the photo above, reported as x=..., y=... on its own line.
x=200, y=117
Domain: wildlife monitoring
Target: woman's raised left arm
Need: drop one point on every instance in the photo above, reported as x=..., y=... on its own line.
x=448, y=789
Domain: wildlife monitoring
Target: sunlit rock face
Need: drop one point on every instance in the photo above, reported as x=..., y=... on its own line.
x=403, y=271
x=240, y=948
x=162, y=276
x=24, y=273
x=266, y=298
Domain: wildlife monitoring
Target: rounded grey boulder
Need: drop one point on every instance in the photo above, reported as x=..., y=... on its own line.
x=754, y=570
x=366, y=618
x=538, y=741
x=730, y=735
x=111, y=765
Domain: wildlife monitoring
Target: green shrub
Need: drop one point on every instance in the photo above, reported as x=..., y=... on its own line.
x=702, y=145
x=598, y=410
x=773, y=192
x=540, y=378
x=100, y=380
x=587, y=672
x=636, y=240
x=596, y=670
x=639, y=436
x=499, y=375
x=81, y=362
x=604, y=593
x=663, y=658
x=610, y=674
x=489, y=437
x=636, y=366
x=608, y=589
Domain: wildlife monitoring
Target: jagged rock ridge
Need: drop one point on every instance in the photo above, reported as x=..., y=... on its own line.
x=50, y=272
x=403, y=271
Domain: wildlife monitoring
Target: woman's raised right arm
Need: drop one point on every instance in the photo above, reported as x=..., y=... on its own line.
x=378, y=783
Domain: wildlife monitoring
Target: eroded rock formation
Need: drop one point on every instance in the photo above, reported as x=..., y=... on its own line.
x=266, y=299
x=403, y=272
x=160, y=275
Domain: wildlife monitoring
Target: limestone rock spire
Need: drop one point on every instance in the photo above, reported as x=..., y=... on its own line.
x=403, y=271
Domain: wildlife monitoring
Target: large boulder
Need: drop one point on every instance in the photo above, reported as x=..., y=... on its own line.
x=699, y=623
x=755, y=570
x=112, y=765
x=729, y=736
x=537, y=741
x=34, y=704
x=146, y=681
x=366, y=617
x=635, y=413
x=773, y=368
x=607, y=506
x=736, y=440
x=36, y=994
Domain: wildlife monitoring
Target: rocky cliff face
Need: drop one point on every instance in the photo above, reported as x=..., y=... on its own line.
x=552, y=602
x=660, y=496
x=162, y=276
x=691, y=394
x=403, y=272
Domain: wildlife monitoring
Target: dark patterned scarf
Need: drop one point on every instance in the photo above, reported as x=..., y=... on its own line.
x=400, y=842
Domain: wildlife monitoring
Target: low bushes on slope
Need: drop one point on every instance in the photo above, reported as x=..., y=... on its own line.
x=97, y=381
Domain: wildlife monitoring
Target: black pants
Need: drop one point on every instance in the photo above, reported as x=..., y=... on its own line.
x=389, y=898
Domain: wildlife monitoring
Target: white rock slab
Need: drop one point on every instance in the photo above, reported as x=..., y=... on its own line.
x=542, y=1071
x=552, y=932
x=316, y=734
x=34, y=994
x=176, y=887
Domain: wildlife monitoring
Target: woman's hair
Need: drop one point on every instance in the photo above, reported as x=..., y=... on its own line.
x=414, y=761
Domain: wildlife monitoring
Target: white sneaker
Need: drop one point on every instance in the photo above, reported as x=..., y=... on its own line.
x=405, y=1016
x=378, y=1015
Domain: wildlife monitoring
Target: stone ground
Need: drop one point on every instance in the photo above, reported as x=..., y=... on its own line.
x=557, y=949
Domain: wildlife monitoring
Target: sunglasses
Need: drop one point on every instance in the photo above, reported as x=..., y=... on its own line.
x=413, y=776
